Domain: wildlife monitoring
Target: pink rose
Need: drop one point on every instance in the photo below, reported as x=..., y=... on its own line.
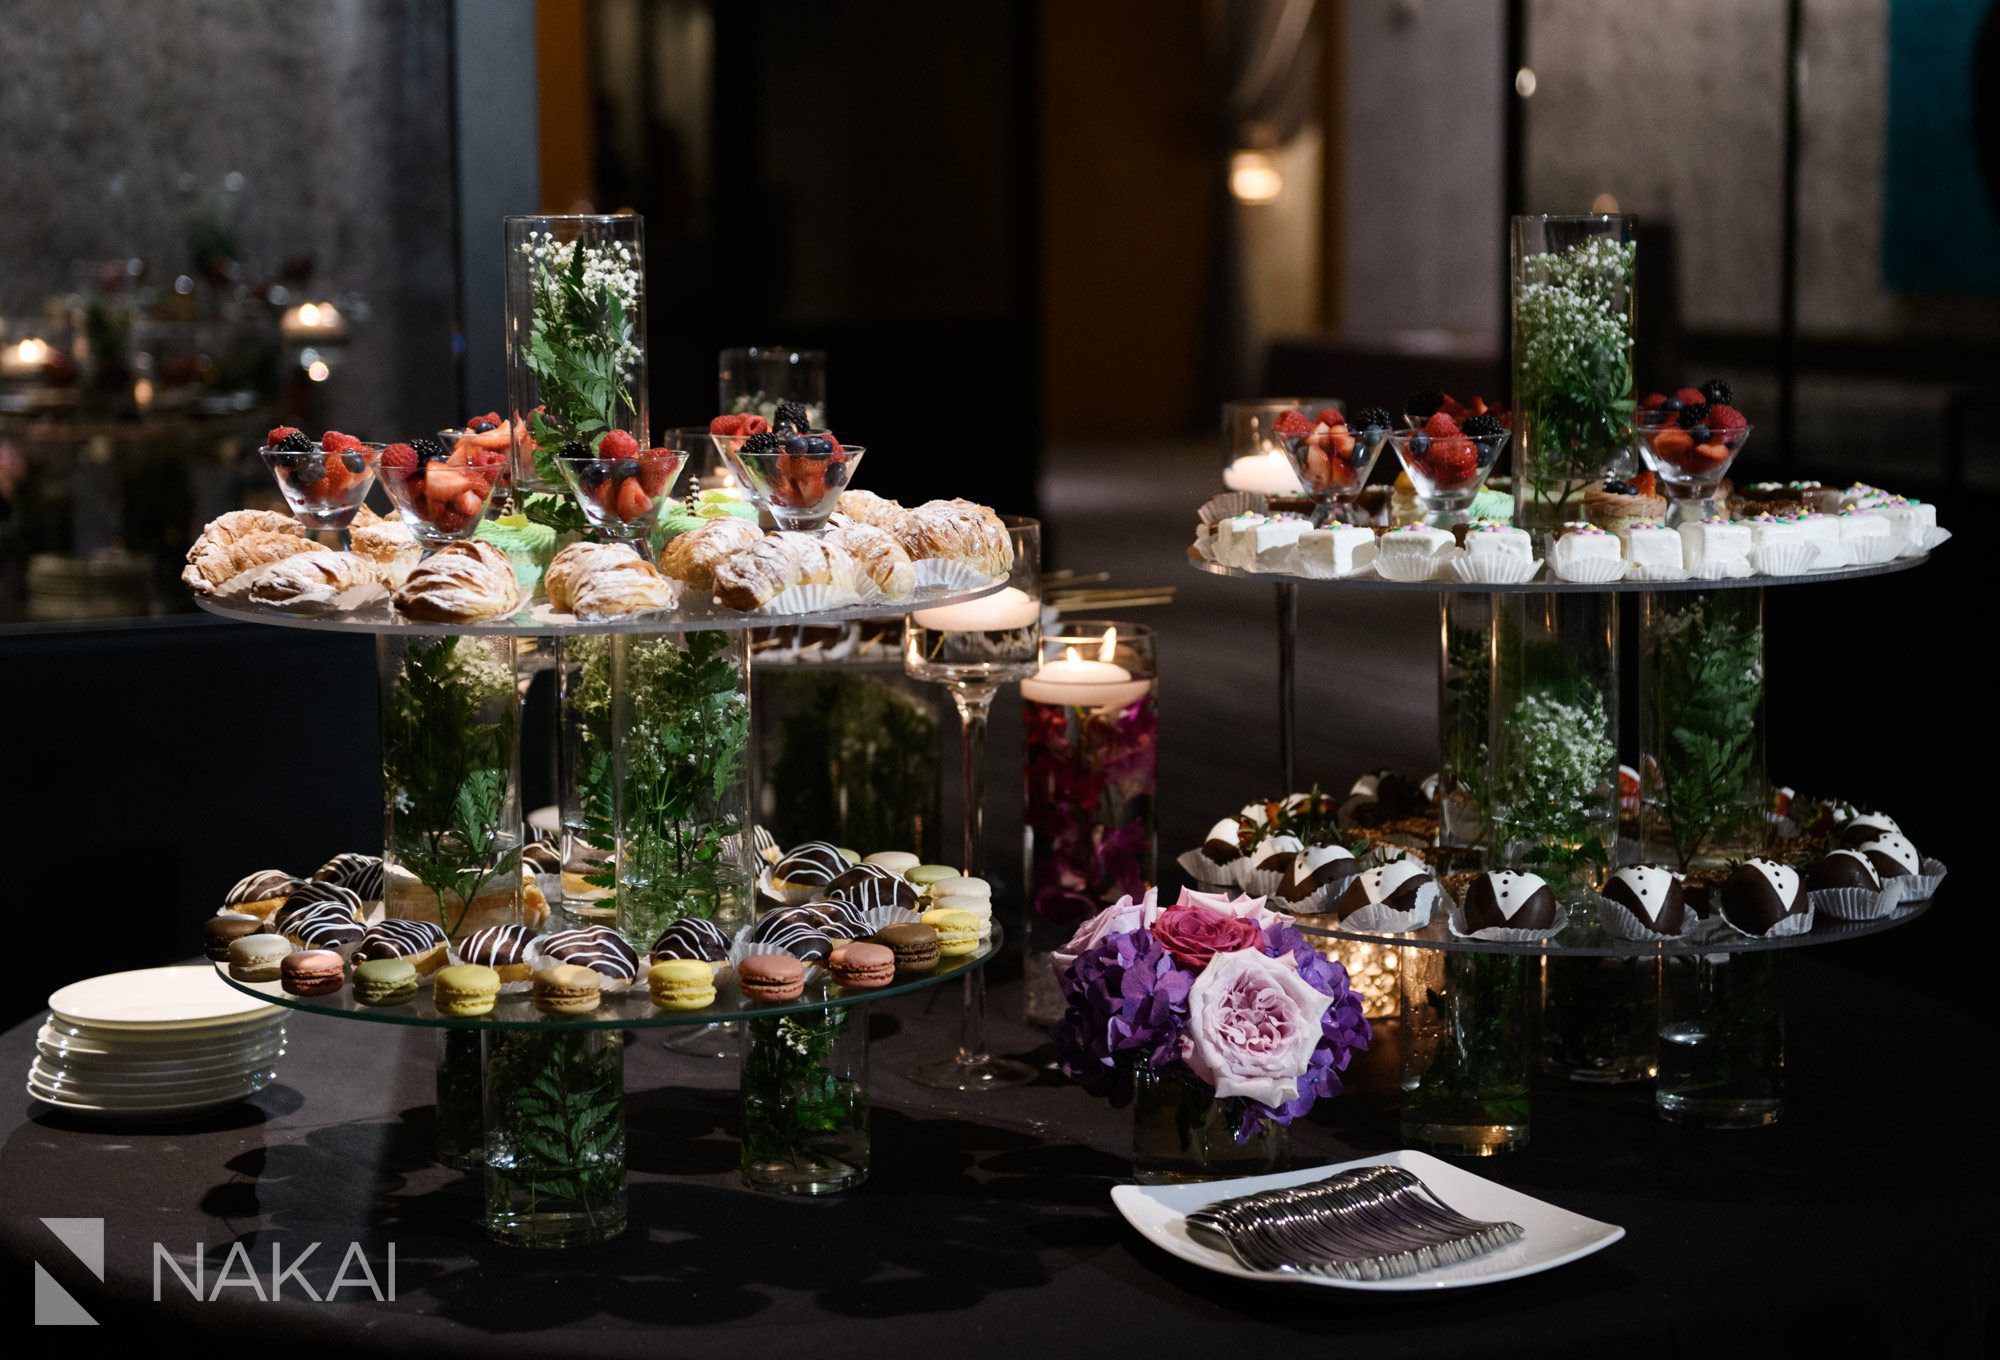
x=1118, y=918
x=1250, y=908
x=1252, y=1026
x=1195, y=934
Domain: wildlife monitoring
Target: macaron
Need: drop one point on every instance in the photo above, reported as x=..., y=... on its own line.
x=223, y=929
x=979, y=909
x=771, y=977
x=313, y=972
x=914, y=945
x=385, y=982
x=681, y=984
x=926, y=874
x=863, y=965
x=465, y=989
x=960, y=885
x=567, y=989
x=257, y=958
x=895, y=861
x=957, y=931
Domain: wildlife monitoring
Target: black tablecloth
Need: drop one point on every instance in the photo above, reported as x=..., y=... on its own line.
x=1865, y=1221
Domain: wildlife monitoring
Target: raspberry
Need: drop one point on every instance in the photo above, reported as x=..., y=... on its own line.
x=1726, y=418
x=1292, y=425
x=278, y=435
x=1693, y=414
x=481, y=424
x=656, y=469
x=1690, y=396
x=333, y=441
x=1440, y=425
x=1332, y=418
x=730, y=424
x=400, y=456
x=1652, y=401
x=617, y=444
x=1451, y=462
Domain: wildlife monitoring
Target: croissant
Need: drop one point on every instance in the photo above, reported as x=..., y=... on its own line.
x=313, y=582
x=865, y=507
x=575, y=562
x=214, y=563
x=235, y=524
x=694, y=555
x=389, y=544
x=460, y=583
x=958, y=531
x=777, y=562
x=879, y=556
x=613, y=589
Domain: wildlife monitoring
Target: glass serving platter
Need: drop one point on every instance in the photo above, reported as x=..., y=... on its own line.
x=1547, y=586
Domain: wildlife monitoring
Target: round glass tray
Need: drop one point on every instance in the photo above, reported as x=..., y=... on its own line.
x=536, y=619
x=1584, y=938
x=1555, y=587
x=631, y=1008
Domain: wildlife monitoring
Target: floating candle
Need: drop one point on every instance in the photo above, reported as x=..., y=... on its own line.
x=1003, y=611
x=1269, y=472
x=1079, y=683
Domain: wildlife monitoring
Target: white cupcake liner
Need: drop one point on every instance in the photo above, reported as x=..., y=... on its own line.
x=1316, y=903
x=741, y=947
x=1856, y=904
x=947, y=574
x=1589, y=571
x=1408, y=563
x=1790, y=925
x=1833, y=557
x=1935, y=537
x=1454, y=921
x=1873, y=552
x=1230, y=504
x=1206, y=871
x=605, y=983
x=1491, y=569
x=880, y=918
x=1720, y=571
x=1259, y=882
x=1655, y=571
x=808, y=600
x=1784, y=559
x=1380, y=919
x=1919, y=887
x=1622, y=923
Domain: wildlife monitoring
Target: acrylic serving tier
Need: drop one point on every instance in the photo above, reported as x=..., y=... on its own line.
x=1545, y=585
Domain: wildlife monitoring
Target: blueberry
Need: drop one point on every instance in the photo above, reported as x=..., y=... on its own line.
x=1420, y=444
x=1700, y=434
x=798, y=445
x=353, y=461
x=482, y=426
x=1671, y=406
x=836, y=475
x=592, y=474
x=625, y=467
x=819, y=445
x=311, y=470
x=1621, y=488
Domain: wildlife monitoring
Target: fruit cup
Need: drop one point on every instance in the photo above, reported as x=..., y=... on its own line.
x=622, y=496
x=323, y=483
x=1690, y=462
x=1332, y=458
x=443, y=493
x=795, y=478
x=1448, y=465
x=489, y=435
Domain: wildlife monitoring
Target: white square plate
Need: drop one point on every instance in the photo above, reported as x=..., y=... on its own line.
x=1553, y=1236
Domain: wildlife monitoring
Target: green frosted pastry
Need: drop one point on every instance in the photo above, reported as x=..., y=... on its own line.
x=1491, y=504
x=528, y=546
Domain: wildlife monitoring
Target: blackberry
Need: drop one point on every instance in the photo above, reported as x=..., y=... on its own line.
x=1423, y=405
x=791, y=417
x=768, y=442
x=1374, y=418
x=295, y=442
x=1693, y=415
x=1719, y=392
x=428, y=450
x=576, y=451
x=1482, y=426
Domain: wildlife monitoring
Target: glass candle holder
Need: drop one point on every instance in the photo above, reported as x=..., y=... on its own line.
x=1722, y=1040
x=753, y=379
x=1090, y=724
x=576, y=337
x=805, y=1101
x=1702, y=784
x=1465, y=1051
x=450, y=772
x=1254, y=457
x=1181, y=1133
x=1572, y=298
x=555, y=1135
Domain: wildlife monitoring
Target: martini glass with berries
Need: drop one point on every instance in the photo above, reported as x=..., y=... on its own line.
x=1448, y=462
x=621, y=488
x=1690, y=439
x=487, y=434
x=443, y=493
x=794, y=473
x=323, y=481
x=1332, y=458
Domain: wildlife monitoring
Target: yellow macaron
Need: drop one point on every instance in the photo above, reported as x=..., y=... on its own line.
x=682, y=984
x=957, y=931
x=465, y=989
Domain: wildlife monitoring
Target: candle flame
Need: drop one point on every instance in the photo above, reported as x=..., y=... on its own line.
x=1069, y=654
x=1107, y=650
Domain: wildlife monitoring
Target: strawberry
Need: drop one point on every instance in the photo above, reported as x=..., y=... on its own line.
x=1332, y=417
x=399, y=456
x=1646, y=484
x=333, y=441
x=450, y=519
x=1726, y=418
x=1690, y=396
x=1452, y=460
x=1292, y=425
x=1343, y=444
x=278, y=434
x=617, y=444
x=447, y=484
x=481, y=424
x=656, y=469
x=1440, y=425
x=1673, y=446
x=633, y=502
x=1707, y=456
x=1653, y=401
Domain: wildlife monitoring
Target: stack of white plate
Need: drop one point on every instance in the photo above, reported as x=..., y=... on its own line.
x=157, y=1043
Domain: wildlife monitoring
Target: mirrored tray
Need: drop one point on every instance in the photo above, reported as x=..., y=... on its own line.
x=1546, y=586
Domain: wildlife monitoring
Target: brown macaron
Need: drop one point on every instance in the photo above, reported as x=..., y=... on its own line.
x=914, y=944
x=864, y=965
x=771, y=977
x=313, y=972
x=219, y=930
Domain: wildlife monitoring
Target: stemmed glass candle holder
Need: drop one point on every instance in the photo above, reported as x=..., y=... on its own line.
x=324, y=487
x=1690, y=463
x=1253, y=454
x=1091, y=728
x=1447, y=470
x=795, y=477
x=576, y=337
x=753, y=379
x=622, y=496
x=973, y=649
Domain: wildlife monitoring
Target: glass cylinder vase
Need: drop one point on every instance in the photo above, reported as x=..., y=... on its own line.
x=680, y=737
x=1465, y=693
x=1466, y=1053
x=805, y=1101
x=451, y=729
x=1090, y=725
x=1600, y=1018
x=753, y=379
x=583, y=771
x=461, y=1115
x=1553, y=734
x=1722, y=1040
x=1702, y=784
x=1572, y=322
x=1181, y=1132
x=1253, y=452
x=576, y=337
x=555, y=1135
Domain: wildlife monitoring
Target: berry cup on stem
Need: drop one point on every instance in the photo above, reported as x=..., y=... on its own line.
x=794, y=473
x=1448, y=462
x=442, y=493
x=481, y=437
x=1690, y=441
x=324, y=483
x=620, y=489
x=1332, y=458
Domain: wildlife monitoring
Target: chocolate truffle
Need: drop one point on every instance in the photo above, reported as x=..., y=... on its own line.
x=1893, y=856
x=1864, y=827
x=1222, y=846
x=1276, y=853
x=1515, y=901
x=1323, y=866
x=1652, y=894
x=1843, y=869
x=1761, y=893
x=694, y=938
x=1398, y=885
x=812, y=865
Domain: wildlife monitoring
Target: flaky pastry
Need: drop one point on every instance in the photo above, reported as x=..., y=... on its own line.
x=460, y=583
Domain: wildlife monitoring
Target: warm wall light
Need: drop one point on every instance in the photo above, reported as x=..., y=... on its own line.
x=1524, y=82
x=1604, y=203
x=1254, y=177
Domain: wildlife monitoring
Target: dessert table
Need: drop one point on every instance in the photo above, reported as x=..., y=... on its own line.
x=987, y=1224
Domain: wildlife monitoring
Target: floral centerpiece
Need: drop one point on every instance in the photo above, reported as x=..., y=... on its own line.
x=1215, y=1016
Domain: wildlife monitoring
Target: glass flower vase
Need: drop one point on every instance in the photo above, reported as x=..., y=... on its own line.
x=1090, y=726
x=1181, y=1132
x=576, y=337
x=1722, y=1040
x=1465, y=692
x=1701, y=727
x=1553, y=733
x=451, y=731
x=1572, y=291
x=555, y=1135
x=1466, y=1052
x=1600, y=1018
x=805, y=1101
x=680, y=736
x=461, y=1116
x=583, y=777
